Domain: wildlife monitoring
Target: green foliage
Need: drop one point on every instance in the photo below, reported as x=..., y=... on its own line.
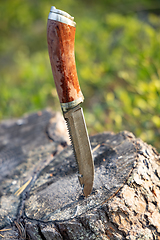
x=117, y=57
x=120, y=63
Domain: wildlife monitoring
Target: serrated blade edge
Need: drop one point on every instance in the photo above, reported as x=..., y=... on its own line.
x=81, y=146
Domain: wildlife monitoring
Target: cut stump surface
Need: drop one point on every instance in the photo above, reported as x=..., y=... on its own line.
x=41, y=197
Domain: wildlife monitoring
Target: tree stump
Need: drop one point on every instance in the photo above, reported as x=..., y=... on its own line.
x=41, y=197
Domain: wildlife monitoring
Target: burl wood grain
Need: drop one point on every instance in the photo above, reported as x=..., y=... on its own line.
x=60, y=39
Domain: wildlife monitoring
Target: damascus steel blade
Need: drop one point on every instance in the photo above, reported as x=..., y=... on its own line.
x=81, y=146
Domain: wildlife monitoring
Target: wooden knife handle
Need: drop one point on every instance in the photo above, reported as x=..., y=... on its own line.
x=60, y=37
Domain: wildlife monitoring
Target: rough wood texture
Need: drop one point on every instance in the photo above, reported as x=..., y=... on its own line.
x=124, y=204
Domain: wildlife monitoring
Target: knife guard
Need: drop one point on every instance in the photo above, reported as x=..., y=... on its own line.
x=60, y=37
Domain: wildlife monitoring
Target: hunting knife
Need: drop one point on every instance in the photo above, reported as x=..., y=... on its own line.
x=60, y=36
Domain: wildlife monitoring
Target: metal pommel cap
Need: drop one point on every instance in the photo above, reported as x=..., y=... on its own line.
x=61, y=16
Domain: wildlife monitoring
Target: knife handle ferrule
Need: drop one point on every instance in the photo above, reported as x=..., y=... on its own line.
x=70, y=105
x=60, y=36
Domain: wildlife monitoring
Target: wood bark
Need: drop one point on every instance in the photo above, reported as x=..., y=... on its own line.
x=40, y=194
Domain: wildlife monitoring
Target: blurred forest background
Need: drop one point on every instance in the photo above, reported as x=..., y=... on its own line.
x=117, y=49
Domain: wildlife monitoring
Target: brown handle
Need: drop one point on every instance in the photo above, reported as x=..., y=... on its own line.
x=60, y=38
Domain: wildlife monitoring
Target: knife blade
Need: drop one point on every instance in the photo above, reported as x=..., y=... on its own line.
x=60, y=37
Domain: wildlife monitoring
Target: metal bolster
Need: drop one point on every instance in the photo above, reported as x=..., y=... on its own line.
x=61, y=16
x=69, y=105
